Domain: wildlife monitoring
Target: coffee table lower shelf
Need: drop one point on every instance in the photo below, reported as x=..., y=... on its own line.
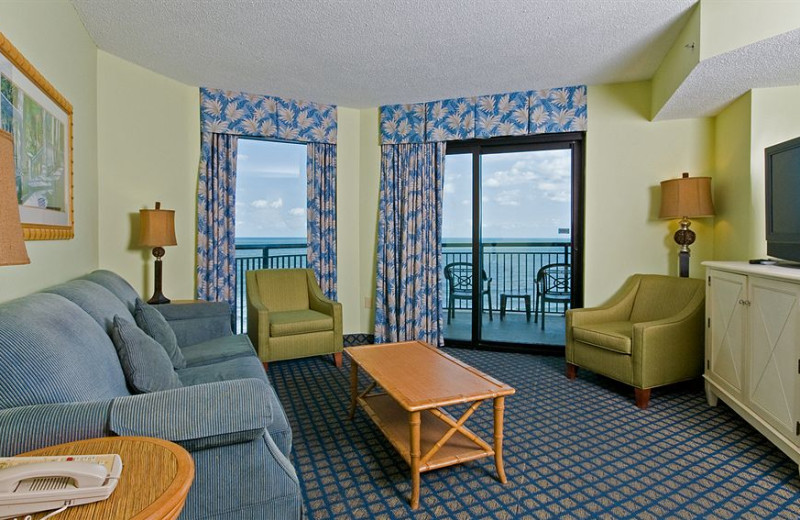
x=392, y=419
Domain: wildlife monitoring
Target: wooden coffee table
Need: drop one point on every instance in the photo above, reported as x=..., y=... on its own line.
x=418, y=382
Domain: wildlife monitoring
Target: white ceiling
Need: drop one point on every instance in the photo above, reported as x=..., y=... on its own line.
x=366, y=53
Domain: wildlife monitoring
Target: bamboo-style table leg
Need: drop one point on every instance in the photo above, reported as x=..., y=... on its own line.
x=353, y=387
x=414, y=424
x=499, y=406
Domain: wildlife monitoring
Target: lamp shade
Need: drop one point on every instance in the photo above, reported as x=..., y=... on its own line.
x=157, y=227
x=12, y=241
x=686, y=197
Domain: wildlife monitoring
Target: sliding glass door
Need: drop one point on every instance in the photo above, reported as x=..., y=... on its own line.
x=512, y=230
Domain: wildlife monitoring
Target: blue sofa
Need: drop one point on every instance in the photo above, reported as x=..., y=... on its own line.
x=61, y=380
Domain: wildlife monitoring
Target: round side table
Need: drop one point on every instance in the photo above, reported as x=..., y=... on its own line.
x=156, y=477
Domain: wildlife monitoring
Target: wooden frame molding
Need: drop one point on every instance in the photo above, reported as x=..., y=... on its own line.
x=38, y=231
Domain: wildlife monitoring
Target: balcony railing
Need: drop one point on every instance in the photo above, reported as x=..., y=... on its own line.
x=511, y=265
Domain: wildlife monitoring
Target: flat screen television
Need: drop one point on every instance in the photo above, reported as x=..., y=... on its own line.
x=782, y=191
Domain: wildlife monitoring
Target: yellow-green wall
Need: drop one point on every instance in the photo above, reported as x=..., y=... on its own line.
x=347, y=217
x=730, y=24
x=148, y=150
x=627, y=157
x=52, y=38
x=733, y=223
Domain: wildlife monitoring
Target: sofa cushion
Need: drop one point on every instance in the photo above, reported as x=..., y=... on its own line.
x=218, y=349
x=146, y=364
x=155, y=325
x=52, y=351
x=614, y=336
x=236, y=368
x=116, y=284
x=100, y=303
x=289, y=323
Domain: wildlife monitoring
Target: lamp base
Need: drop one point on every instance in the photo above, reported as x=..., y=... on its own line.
x=158, y=299
x=684, y=237
x=683, y=264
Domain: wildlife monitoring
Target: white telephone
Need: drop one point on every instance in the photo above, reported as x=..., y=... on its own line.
x=31, y=484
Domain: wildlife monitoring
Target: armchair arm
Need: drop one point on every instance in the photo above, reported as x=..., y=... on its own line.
x=317, y=301
x=197, y=321
x=27, y=428
x=616, y=308
x=197, y=417
x=257, y=318
x=670, y=349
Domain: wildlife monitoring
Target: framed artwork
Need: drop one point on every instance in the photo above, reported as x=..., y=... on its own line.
x=40, y=119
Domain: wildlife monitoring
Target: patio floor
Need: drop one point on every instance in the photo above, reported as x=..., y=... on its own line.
x=513, y=328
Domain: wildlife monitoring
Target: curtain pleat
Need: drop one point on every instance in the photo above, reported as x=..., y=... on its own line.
x=321, y=173
x=216, y=194
x=408, y=295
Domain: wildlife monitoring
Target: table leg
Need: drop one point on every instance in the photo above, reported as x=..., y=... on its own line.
x=353, y=387
x=414, y=424
x=499, y=406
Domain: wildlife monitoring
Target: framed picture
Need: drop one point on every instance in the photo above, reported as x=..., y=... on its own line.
x=40, y=119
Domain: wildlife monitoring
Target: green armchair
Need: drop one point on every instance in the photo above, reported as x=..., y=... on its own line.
x=649, y=334
x=288, y=317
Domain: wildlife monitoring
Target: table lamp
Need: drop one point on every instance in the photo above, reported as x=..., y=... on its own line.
x=685, y=198
x=12, y=241
x=157, y=229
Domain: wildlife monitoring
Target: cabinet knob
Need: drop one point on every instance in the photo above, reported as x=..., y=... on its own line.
x=746, y=303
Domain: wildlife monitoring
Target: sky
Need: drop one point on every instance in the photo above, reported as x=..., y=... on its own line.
x=524, y=194
x=270, y=189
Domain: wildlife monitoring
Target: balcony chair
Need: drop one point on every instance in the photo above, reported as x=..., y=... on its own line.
x=553, y=284
x=459, y=286
x=649, y=334
x=288, y=317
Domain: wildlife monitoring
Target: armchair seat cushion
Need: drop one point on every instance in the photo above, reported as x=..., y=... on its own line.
x=289, y=323
x=614, y=335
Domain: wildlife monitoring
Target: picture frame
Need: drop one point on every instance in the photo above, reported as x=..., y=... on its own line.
x=40, y=119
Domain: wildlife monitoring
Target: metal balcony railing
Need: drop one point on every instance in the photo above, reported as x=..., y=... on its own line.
x=511, y=265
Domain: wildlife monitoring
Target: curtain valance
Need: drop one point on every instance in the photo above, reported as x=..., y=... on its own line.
x=516, y=113
x=254, y=115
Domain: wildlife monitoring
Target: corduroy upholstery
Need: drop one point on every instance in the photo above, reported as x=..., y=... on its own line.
x=288, y=317
x=62, y=381
x=649, y=334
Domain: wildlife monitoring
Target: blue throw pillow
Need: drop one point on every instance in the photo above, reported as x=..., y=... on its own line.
x=155, y=325
x=146, y=365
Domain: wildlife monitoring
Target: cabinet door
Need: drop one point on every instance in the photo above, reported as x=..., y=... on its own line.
x=725, y=337
x=773, y=354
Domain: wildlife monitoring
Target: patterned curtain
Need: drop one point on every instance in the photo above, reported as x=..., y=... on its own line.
x=321, y=173
x=216, y=191
x=407, y=296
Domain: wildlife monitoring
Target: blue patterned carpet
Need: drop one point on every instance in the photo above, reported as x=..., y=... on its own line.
x=573, y=450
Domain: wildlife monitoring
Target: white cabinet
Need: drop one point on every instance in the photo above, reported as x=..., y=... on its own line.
x=753, y=347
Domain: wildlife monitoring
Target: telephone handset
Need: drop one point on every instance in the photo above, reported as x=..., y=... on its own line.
x=31, y=484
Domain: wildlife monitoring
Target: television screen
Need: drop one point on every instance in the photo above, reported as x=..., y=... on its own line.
x=783, y=200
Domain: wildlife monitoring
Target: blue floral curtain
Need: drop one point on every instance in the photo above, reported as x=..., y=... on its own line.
x=224, y=115
x=321, y=174
x=407, y=296
x=216, y=191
